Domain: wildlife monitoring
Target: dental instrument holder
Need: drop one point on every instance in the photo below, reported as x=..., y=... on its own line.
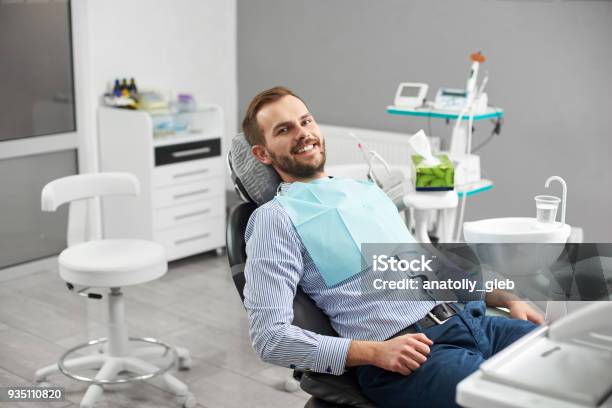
x=461, y=140
x=392, y=183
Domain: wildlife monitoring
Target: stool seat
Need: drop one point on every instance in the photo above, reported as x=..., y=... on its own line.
x=113, y=262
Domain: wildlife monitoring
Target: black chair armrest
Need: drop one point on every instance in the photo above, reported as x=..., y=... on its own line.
x=315, y=402
x=342, y=389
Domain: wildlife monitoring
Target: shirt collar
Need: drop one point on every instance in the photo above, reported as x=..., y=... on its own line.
x=284, y=186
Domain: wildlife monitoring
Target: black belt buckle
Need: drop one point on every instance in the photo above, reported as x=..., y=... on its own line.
x=443, y=314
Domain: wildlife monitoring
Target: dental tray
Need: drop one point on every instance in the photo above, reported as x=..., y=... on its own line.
x=560, y=370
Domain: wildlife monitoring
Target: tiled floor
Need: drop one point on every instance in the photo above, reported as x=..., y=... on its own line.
x=195, y=305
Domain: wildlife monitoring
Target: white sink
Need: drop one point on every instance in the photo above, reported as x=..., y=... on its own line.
x=505, y=244
x=514, y=230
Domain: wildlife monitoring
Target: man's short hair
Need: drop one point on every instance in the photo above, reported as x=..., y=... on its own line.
x=250, y=127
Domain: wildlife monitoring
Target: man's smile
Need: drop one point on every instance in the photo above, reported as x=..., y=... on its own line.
x=306, y=149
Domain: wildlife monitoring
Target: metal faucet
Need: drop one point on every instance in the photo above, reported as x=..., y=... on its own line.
x=564, y=185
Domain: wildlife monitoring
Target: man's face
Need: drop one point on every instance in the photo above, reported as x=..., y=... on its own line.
x=294, y=145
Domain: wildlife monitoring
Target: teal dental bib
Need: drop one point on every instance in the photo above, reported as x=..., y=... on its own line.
x=333, y=217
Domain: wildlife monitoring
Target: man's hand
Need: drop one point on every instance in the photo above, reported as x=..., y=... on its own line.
x=518, y=308
x=521, y=310
x=402, y=354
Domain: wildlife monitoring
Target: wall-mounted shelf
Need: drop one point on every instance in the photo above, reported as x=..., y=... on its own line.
x=474, y=188
x=430, y=111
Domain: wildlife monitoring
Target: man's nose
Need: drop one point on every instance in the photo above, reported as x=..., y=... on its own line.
x=302, y=133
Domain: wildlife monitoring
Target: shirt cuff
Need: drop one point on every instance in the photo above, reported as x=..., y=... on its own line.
x=331, y=355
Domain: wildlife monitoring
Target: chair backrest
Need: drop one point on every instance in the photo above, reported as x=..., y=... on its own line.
x=256, y=183
x=253, y=180
x=305, y=313
x=79, y=190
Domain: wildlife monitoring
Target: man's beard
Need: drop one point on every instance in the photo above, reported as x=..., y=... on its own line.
x=296, y=169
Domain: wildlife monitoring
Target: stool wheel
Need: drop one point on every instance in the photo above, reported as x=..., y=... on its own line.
x=187, y=401
x=43, y=383
x=184, y=363
x=291, y=385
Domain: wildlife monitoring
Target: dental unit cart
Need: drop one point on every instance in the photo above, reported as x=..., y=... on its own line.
x=177, y=159
x=464, y=107
x=468, y=167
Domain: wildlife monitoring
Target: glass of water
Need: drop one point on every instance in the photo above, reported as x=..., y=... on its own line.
x=546, y=207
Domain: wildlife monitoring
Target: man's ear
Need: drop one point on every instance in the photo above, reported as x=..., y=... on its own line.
x=261, y=154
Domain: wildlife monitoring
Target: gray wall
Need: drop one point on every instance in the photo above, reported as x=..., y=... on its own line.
x=549, y=62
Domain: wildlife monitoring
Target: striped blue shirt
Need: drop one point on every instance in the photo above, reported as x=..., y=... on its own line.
x=277, y=263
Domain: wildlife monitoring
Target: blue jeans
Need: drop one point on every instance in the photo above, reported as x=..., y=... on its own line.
x=461, y=344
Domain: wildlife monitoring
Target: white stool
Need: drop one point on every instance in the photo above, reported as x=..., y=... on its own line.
x=110, y=264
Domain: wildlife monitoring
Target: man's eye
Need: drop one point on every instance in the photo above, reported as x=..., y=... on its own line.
x=307, y=122
x=283, y=130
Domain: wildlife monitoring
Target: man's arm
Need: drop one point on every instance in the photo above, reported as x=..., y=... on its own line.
x=273, y=270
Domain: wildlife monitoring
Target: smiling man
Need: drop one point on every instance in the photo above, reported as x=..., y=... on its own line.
x=407, y=353
x=294, y=159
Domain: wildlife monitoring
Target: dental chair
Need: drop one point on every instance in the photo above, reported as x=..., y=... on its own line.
x=256, y=184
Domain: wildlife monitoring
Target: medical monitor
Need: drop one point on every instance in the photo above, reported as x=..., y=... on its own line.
x=410, y=94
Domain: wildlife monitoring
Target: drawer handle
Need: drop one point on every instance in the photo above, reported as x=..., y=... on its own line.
x=191, y=193
x=191, y=214
x=185, y=240
x=191, y=152
x=190, y=173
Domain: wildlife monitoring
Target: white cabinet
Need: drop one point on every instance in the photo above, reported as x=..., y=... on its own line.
x=182, y=199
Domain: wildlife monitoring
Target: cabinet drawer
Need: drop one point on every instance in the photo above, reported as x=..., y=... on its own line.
x=188, y=171
x=177, y=153
x=187, y=193
x=192, y=238
x=186, y=213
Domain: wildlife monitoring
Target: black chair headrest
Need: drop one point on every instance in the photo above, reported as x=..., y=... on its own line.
x=254, y=181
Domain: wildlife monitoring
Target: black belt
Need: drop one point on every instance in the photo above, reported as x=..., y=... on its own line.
x=438, y=315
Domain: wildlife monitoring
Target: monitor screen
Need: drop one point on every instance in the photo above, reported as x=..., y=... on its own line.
x=35, y=69
x=410, y=91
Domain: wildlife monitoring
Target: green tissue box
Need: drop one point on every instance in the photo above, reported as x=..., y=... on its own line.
x=433, y=178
